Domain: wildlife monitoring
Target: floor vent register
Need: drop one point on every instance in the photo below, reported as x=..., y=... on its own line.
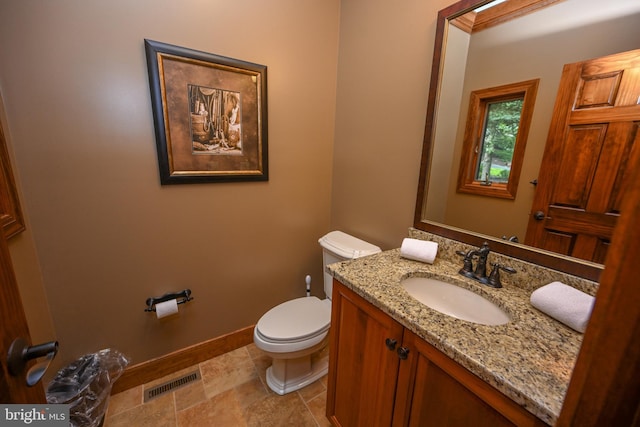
x=170, y=386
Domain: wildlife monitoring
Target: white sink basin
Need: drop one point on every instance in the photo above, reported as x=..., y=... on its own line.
x=455, y=301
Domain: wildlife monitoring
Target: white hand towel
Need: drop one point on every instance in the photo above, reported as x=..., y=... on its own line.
x=419, y=250
x=565, y=304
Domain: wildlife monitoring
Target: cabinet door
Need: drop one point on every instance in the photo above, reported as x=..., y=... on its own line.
x=362, y=368
x=433, y=390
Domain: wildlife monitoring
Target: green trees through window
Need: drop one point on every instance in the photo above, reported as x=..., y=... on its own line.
x=498, y=140
x=495, y=138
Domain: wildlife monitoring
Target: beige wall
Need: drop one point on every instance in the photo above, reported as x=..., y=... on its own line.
x=383, y=80
x=107, y=235
x=442, y=159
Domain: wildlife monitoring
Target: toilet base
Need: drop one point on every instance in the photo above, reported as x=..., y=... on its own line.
x=287, y=375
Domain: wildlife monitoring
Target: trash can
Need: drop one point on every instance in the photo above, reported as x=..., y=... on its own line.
x=86, y=384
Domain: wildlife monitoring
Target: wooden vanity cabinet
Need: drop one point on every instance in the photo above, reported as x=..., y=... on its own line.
x=363, y=371
x=381, y=374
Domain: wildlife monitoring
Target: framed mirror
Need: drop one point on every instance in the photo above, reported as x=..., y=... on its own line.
x=522, y=40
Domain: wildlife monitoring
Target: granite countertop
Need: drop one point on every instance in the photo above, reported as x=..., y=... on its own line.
x=529, y=359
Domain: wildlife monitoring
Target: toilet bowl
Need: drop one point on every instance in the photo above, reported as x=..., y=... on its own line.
x=295, y=333
x=290, y=333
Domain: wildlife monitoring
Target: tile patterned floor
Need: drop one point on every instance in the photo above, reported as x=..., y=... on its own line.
x=232, y=392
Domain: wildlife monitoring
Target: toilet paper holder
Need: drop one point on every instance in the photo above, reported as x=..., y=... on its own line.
x=181, y=297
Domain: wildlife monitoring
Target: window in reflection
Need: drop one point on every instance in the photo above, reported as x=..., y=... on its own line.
x=495, y=138
x=501, y=122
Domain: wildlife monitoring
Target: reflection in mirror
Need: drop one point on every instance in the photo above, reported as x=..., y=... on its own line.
x=495, y=138
x=531, y=46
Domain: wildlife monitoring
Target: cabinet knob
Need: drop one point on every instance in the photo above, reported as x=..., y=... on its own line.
x=390, y=343
x=403, y=353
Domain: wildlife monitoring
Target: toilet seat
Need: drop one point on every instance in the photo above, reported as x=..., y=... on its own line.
x=294, y=325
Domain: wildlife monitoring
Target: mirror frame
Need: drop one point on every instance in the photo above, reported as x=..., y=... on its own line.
x=574, y=266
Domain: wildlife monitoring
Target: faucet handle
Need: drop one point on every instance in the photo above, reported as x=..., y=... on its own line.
x=467, y=268
x=494, y=276
x=467, y=255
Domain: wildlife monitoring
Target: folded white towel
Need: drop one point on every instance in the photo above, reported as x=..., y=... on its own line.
x=419, y=250
x=565, y=304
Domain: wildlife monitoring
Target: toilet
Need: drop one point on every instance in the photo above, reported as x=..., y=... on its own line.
x=295, y=332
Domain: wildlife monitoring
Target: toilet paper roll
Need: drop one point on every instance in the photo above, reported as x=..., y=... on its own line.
x=167, y=308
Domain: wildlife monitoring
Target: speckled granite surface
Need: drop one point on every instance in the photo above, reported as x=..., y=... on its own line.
x=529, y=359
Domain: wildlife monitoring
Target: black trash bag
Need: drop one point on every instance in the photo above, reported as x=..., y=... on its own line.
x=86, y=384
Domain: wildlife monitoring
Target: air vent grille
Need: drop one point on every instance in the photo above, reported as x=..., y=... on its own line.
x=170, y=386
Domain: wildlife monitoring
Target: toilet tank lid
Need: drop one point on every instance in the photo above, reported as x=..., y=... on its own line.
x=347, y=246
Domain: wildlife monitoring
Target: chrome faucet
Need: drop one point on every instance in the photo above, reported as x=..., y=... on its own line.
x=480, y=272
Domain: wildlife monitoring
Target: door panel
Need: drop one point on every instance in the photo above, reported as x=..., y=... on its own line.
x=582, y=149
x=582, y=178
x=633, y=141
x=439, y=392
x=363, y=351
x=13, y=389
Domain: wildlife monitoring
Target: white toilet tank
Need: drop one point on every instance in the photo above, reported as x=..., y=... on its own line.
x=338, y=246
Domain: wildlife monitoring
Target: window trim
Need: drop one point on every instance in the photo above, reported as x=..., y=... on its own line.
x=473, y=134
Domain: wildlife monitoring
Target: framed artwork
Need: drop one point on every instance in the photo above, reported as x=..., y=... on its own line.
x=210, y=115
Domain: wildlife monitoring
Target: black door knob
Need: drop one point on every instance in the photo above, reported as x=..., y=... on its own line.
x=539, y=215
